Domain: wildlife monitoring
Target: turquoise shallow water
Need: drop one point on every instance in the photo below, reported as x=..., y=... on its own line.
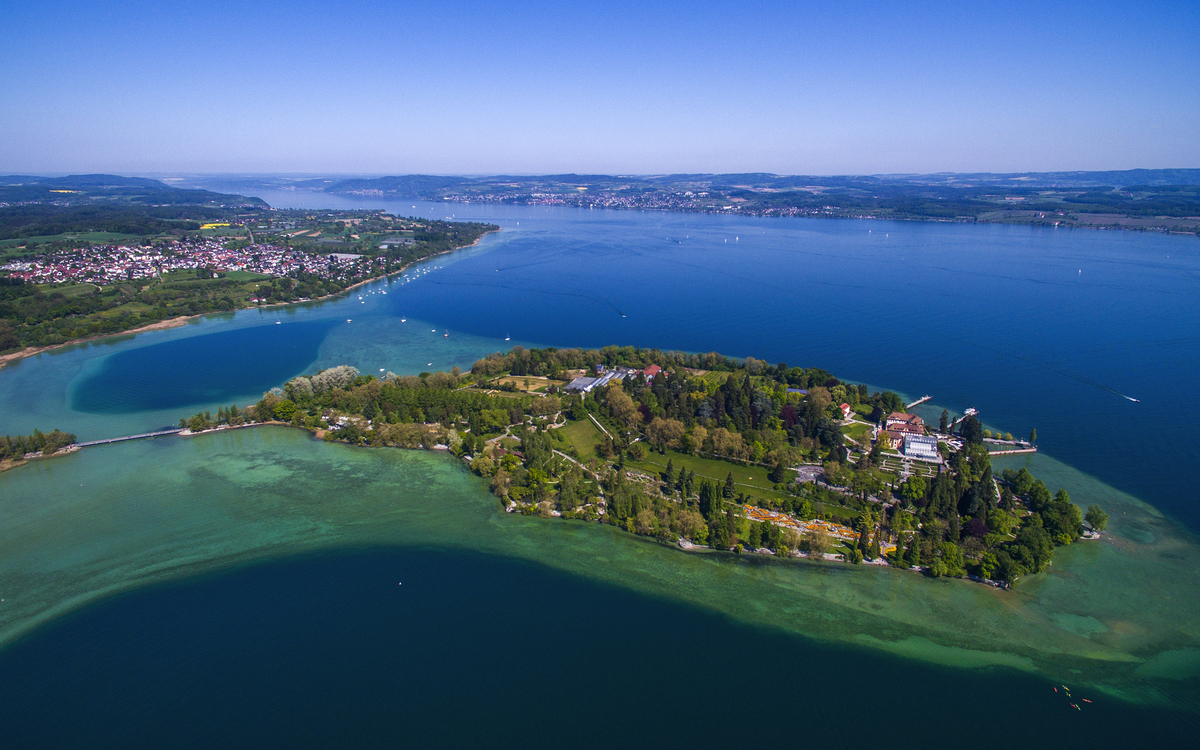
x=982, y=316
x=161, y=575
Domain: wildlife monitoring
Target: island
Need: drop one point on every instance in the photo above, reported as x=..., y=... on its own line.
x=706, y=452
x=92, y=256
x=15, y=450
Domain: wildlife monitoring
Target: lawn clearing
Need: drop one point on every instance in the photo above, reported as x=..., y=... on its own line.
x=582, y=436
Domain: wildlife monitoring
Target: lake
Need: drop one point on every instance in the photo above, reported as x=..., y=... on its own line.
x=256, y=558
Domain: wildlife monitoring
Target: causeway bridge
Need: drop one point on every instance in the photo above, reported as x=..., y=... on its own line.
x=172, y=431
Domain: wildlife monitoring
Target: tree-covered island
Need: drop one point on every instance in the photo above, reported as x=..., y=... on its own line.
x=704, y=450
x=15, y=449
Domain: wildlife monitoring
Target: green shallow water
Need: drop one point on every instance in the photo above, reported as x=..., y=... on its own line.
x=1119, y=616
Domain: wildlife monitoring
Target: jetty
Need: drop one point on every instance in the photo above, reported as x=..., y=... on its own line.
x=972, y=412
x=172, y=431
x=1013, y=451
x=918, y=402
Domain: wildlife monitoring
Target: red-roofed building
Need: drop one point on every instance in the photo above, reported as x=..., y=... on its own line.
x=651, y=371
x=846, y=411
x=901, y=422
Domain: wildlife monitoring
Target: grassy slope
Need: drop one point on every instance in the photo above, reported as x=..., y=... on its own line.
x=582, y=436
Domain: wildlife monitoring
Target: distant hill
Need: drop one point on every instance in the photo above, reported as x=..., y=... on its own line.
x=1146, y=199
x=76, y=190
x=430, y=186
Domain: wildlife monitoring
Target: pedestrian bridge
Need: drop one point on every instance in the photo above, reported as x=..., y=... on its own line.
x=172, y=431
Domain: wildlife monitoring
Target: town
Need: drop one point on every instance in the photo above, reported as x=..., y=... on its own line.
x=110, y=264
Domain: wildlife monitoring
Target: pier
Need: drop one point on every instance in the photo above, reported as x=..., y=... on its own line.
x=1012, y=451
x=968, y=413
x=172, y=431
x=918, y=402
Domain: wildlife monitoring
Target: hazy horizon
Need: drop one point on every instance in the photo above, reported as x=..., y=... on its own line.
x=527, y=88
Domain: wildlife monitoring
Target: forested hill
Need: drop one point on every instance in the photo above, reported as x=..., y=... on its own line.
x=137, y=206
x=75, y=190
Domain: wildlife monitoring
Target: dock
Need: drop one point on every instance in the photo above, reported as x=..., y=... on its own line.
x=918, y=402
x=1012, y=451
x=172, y=431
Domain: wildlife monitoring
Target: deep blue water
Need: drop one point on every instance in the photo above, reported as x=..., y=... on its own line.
x=214, y=367
x=473, y=651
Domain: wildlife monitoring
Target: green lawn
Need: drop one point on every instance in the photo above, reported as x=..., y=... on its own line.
x=711, y=470
x=858, y=431
x=582, y=436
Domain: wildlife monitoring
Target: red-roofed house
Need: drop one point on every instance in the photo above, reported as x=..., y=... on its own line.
x=651, y=371
x=846, y=411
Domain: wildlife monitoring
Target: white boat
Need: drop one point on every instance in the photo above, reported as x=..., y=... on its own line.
x=506, y=337
x=403, y=320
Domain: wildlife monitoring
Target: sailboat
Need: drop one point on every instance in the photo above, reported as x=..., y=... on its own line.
x=506, y=337
x=446, y=335
x=403, y=320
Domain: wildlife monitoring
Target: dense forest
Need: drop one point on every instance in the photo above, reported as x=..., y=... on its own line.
x=640, y=453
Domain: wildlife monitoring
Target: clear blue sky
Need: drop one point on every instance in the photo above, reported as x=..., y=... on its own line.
x=445, y=86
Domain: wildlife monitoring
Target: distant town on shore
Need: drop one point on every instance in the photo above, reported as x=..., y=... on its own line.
x=1164, y=200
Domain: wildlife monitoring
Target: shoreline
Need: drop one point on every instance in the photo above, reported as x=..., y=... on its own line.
x=680, y=545
x=1117, y=225
x=30, y=351
x=176, y=322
